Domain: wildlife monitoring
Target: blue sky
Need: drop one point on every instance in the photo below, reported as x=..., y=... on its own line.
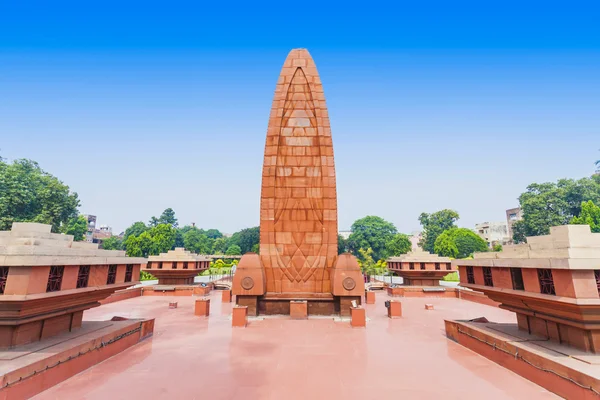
x=139, y=107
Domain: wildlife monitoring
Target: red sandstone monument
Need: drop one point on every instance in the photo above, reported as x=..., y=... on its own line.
x=177, y=267
x=298, y=209
x=47, y=281
x=552, y=283
x=420, y=268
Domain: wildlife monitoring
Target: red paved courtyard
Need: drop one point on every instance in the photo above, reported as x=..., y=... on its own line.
x=277, y=358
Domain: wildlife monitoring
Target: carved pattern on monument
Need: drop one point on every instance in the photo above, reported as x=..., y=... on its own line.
x=298, y=201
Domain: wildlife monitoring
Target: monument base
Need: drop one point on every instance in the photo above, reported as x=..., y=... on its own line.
x=30, y=369
x=568, y=372
x=421, y=291
x=279, y=303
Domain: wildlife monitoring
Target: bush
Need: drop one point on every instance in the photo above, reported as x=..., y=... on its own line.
x=146, y=276
x=451, y=277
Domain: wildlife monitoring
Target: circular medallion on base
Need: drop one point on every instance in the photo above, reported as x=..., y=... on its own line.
x=348, y=283
x=247, y=283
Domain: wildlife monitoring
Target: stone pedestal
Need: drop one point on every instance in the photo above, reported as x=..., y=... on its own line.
x=202, y=290
x=226, y=296
x=369, y=297
x=395, y=309
x=239, y=316
x=173, y=304
x=299, y=309
x=358, y=317
x=429, y=306
x=202, y=307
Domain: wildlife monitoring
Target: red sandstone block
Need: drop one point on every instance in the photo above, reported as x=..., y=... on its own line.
x=429, y=306
x=299, y=309
x=239, y=316
x=226, y=296
x=395, y=309
x=358, y=317
x=202, y=307
x=173, y=304
x=369, y=297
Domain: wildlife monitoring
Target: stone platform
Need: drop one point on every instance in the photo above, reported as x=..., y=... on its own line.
x=30, y=369
x=281, y=358
x=566, y=371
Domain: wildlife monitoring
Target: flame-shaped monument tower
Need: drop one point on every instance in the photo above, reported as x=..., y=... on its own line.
x=298, y=261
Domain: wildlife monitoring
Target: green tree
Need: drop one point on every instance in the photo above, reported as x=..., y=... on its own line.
x=136, y=230
x=433, y=226
x=168, y=217
x=371, y=232
x=518, y=229
x=29, y=194
x=342, y=245
x=219, y=246
x=256, y=248
x=112, y=243
x=154, y=241
x=367, y=264
x=497, y=247
x=551, y=204
x=76, y=227
x=214, y=234
x=590, y=215
x=597, y=164
x=459, y=243
x=234, y=250
x=245, y=239
x=196, y=241
x=399, y=244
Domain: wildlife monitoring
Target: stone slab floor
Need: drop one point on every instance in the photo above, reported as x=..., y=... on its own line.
x=204, y=358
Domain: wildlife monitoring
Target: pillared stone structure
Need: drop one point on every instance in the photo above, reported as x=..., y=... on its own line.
x=47, y=281
x=298, y=209
x=177, y=267
x=420, y=268
x=552, y=283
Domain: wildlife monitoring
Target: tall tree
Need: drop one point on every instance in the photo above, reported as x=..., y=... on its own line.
x=433, y=226
x=459, y=243
x=551, y=204
x=136, y=229
x=112, y=243
x=342, y=245
x=234, y=250
x=246, y=239
x=399, y=244
x=196, y=241
x=590, y=215
x=219, y=246
x=371, y=232
x=29, y=194
x=168, y=217
x=154, y=241
x=76, y=227
x=213, y=234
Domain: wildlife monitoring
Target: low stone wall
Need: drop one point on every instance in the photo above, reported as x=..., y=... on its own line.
x=176, y=290
x=449, y=292
x=476, y=297
x=122, y=295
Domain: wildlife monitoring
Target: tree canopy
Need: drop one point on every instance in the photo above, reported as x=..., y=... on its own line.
x=167, y=217
x=551, y=204
x=589, y=215
x=234, y=250
x=459, y=243
x=76, y=227
x=398, y=245
x=29, y=194
x=433, y=226
x=371, y=232
x=112, y=243
x=245, y=239
x=156, y=240
x=136, y=229
x=196, y=241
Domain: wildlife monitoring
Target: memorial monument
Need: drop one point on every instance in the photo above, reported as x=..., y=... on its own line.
x=420, y=268
x=298, y=209
x=177, y=267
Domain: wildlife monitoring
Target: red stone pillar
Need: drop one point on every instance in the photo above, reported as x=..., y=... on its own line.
x=239, y=316
x=358, y=317
x=369, y=297
x=299, y=309
x=395, y=309
x=202, y=307
x=226, y=296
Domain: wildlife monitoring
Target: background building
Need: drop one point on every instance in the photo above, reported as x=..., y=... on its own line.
x=493, y=232
x=513, y=215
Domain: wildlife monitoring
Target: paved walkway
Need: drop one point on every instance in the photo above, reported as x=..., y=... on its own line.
x=197, y=358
